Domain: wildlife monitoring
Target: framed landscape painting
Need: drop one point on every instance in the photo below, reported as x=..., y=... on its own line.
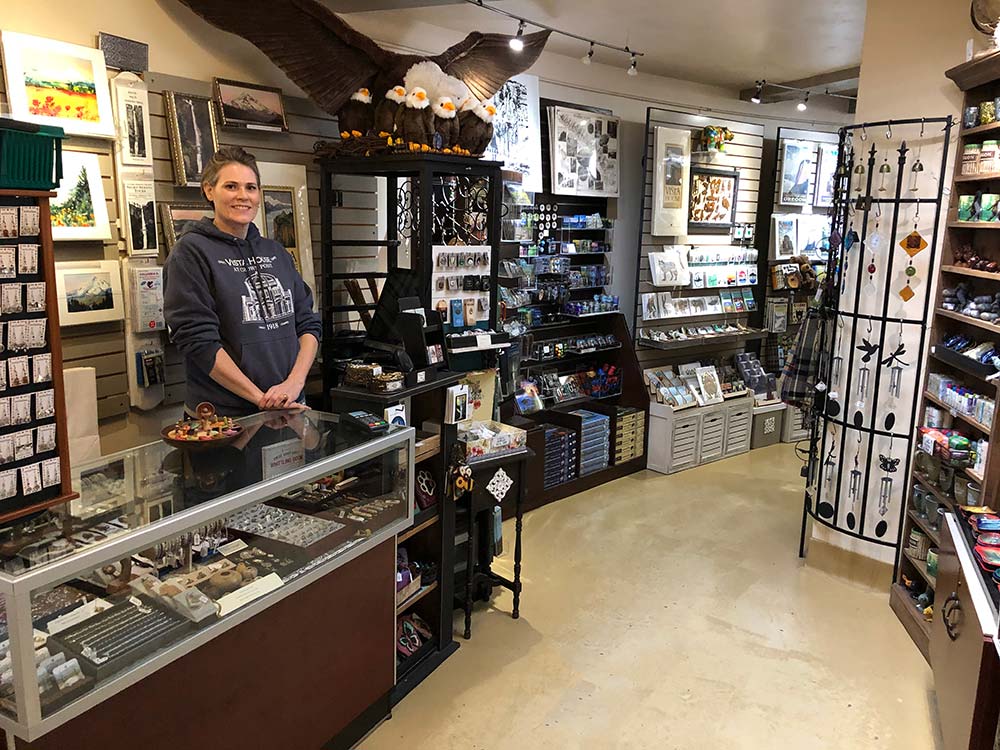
x=193, y=136
x=178, y=218
x=283, y=215
x=55, y=83
x=79, y=210
x=89, y=292
x=248, y=105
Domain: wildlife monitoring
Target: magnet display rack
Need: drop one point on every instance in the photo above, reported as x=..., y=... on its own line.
x=860, y=459
x=22, y=503
x=633, y=391
x=980, y=81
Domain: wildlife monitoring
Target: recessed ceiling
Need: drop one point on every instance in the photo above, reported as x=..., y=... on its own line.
x=725, y=42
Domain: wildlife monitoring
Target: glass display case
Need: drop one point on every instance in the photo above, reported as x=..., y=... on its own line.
x=166, y=549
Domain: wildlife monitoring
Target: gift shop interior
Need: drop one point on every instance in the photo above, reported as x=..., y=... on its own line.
x=371, y=370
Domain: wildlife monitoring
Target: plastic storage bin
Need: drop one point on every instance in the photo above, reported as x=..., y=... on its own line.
x=30, y=155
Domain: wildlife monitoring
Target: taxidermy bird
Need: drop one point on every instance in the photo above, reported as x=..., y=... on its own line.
x=385, y=112
x=446, y=123
x=357, y=116
x=330, y=61
x=985, y=15
x=476, y=130
x=415, y=121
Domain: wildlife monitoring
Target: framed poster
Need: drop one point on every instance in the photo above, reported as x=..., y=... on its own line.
x=89, y=291
x=284, y=213
x=177, y=218
x=517, y=137
x=132, y=111
x=584, y=156
x=79, y=211
x=140, y=223
x=786, y=241
x=249, y=105
x=713, y=200
x=826, y=172
x=798, y=169
x=670, y=182
x=55, y=83
x=193, y=135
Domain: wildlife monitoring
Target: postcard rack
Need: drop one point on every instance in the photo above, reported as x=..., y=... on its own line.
x=34, y=446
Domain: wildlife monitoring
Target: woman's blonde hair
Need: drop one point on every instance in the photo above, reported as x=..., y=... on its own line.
x=222, y=157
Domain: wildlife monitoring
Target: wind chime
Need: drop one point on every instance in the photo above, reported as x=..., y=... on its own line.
x=889, y=465
x=912, y=244
x=870, y=349
x=873, y=242
x=896, y=366
x=854, y=487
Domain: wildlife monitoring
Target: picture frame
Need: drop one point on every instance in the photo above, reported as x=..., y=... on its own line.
x=785, y=234
x=135, y=141
x=798, y=173
x=517, y=136
x=826, y=174
x=250, y=105
x=193, y=134
x=584, y=154
x=713, y=197
x=176, y=218
x=56, y=83
x=139, y=216
x=671, y=182
x=89, y=291
x=279, y=180
x=121, y=53
x=80, y=210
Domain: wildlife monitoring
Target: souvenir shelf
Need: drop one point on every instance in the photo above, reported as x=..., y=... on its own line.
x=34, y=447
x=887, y=215
x=583, y=340
x=945, y=363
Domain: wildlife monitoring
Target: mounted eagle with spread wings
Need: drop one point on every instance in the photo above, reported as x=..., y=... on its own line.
x=330, y=61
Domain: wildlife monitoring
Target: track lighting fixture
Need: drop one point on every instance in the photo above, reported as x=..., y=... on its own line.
x=759, y=93
x=804, y=104
x=588, y=58
x=517, y=43
x=633, y=70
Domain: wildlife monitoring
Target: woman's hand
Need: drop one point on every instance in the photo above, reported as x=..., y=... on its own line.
x=283, y=395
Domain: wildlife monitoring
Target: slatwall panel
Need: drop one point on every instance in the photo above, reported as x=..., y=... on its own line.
x=743, y=153
x=102, y=346
x=356, y=219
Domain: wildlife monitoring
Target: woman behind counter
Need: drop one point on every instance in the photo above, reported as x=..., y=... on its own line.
x=234, y=303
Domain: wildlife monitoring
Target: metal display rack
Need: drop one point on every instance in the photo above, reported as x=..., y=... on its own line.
x=854, y=494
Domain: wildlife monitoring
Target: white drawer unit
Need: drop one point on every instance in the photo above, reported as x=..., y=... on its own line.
x=796, y=427
x=739, y=423
x=691, y=437
x=713, y=436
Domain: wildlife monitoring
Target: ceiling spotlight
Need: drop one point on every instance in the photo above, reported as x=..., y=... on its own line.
x=516, y=42
x=803, y=105
x=632, y=69
x=589, y=57
x=759, y=93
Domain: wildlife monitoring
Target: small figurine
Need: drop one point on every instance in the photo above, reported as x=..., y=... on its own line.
x=715, y=138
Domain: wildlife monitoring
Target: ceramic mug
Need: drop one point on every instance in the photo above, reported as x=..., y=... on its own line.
x=972, y=494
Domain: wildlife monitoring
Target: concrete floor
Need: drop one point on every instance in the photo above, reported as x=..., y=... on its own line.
x=672, y=612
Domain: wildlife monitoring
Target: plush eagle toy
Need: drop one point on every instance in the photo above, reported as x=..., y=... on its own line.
x=446, y=123
x=330, y=61
x=415, y=121
x=385, y=112
x=476, y=131
x=357, y=116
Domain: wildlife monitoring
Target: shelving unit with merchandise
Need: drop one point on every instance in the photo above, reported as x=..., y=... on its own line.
x=570, y=339
x=956, y=394
x=799, y=224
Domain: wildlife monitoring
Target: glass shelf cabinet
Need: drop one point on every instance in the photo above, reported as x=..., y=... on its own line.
x=166, y=549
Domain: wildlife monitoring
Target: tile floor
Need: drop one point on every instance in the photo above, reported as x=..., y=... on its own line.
x=672, y=612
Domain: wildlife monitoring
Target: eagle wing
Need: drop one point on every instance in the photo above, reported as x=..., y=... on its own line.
x=324, y=56
x=485, y=62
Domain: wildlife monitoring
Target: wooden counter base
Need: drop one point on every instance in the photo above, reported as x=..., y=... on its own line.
x=294, y=676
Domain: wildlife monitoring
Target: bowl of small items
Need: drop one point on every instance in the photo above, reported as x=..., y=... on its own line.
x=209, y=430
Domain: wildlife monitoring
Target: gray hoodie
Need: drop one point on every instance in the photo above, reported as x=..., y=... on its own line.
x=244, y=296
